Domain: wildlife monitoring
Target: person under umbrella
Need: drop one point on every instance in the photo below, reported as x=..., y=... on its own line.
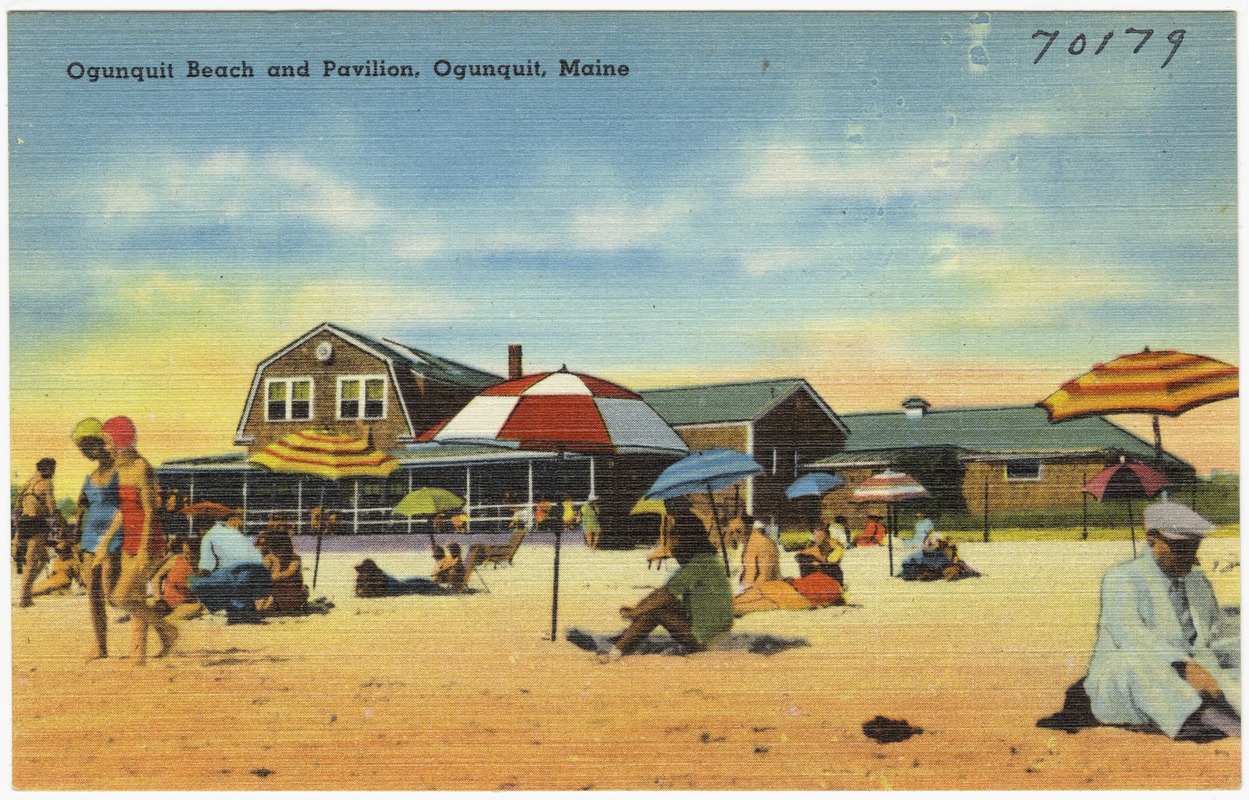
x=695, y=605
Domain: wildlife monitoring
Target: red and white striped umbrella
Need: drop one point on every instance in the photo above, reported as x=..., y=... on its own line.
x=888, y=487
x=561, y=411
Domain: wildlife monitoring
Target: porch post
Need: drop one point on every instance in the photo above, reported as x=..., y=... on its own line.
x=355, y=509
x=244, y=501
x=468, y=498
x=299, y=505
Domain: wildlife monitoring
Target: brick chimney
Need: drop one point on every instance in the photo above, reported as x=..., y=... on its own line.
x=514, y=369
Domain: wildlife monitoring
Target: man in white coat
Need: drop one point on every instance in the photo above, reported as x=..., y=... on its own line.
x=1166, y=657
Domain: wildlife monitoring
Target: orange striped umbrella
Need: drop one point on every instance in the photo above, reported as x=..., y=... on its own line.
x=323, y=454
x=1160, y=382
x=326, y=455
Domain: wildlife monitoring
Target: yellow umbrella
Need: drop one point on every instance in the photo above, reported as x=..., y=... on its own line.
x=324, y=454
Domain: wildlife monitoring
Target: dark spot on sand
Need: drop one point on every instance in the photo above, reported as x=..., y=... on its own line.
x=1014, y=751
x=763, y=728
x=524, y=691
x=333, y=718
x=886, y=731
x=262, y=772
x=761, y=749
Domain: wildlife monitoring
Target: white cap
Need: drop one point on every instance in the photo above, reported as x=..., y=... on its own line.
x=1176, y=521
x=759, y=526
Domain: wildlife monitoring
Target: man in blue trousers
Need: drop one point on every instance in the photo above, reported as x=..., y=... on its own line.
x=232, y=575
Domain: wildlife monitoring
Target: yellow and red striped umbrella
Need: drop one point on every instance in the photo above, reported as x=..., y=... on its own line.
x=326, y=455
x=1163, y=382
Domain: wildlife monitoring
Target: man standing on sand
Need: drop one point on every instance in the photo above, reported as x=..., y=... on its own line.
x=589, y=522
x=1166, y=658
x=37, y=520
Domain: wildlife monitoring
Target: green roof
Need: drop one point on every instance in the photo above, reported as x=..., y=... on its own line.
x=1013, y=429
x=725, y=402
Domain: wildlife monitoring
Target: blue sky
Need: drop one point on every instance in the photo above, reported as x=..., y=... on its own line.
x=853, y=198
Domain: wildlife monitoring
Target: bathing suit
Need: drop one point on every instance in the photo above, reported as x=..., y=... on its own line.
x=132, y=524
x=102, y=506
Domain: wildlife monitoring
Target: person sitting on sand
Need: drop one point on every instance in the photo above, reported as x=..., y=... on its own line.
x=232, y=575
x=873, y=532
x=839, y=530
x=822, y=555
x=289, y=594
x=449, y=568
x=1167, y=657
x=65, y=570
x=695, y=605
x=175, y=599
x=761, y=559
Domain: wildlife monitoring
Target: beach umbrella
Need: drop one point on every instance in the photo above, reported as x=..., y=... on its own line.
x=890, y=488
x=565, y=412
x=705, y=471
x=426, y=502
x=562, y=411
x=205, y=508
x=1125, y=481
x=1160, y=383
x=325, y=454
x=813, y=484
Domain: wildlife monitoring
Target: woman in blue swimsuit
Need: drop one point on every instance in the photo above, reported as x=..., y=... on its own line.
x=98, y=505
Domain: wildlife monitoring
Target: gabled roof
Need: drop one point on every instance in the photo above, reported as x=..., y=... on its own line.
x=398, y=357
x=1023, y=430
x=729, y=402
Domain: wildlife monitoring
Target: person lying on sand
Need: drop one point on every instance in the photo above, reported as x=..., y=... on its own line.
x=937, y=559
x=695, y=605
x=373, y=581
x=1167, y=658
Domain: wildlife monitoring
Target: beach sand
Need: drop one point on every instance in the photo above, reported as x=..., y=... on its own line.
x=467, y=693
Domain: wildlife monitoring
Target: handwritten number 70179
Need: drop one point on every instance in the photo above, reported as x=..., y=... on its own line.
x=1078, y=44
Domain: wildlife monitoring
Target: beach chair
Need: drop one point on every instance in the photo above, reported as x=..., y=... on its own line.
x=494, y=555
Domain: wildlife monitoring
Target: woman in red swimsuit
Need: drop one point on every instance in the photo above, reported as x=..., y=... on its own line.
x=142, y=541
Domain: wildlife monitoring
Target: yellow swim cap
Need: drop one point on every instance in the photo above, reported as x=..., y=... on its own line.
x=89, y=428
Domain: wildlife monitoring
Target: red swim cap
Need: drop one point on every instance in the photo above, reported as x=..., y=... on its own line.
x=121, y=431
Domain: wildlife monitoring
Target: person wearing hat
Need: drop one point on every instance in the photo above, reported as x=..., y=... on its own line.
x=761, y=559
x=98, y=505
x=589, y=522
x=1166, y=658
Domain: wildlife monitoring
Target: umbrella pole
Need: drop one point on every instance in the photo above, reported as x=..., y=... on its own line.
x=1157, y=443
x=889, y=519
x=715, y=519
x=1084, y=503
x=555, y=584
x=316, y=564
x=1132, y=525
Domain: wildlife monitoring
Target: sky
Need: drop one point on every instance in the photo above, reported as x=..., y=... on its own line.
x=885, y=204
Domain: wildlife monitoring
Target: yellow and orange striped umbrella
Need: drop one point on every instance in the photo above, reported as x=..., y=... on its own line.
x=1163, y=382
x=326, y=455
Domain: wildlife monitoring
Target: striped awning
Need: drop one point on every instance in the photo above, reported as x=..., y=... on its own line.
x=1165, y=382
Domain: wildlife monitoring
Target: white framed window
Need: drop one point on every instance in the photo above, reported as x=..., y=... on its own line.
x=288, y=399
x=1023, y=469
x=362, y=397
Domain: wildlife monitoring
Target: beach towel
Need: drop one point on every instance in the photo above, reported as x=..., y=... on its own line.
x=664, y=645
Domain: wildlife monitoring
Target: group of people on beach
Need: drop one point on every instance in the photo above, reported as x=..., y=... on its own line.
x=118, y=549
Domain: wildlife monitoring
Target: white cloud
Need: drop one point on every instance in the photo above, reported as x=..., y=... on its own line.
x=621, y=226
x=232, y=184
x=933, y=166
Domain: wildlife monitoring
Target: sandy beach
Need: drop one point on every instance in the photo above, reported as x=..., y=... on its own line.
x=467, y=692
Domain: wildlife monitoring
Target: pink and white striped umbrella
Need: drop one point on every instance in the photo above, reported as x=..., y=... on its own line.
x=888, y=487
x=561, y=411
